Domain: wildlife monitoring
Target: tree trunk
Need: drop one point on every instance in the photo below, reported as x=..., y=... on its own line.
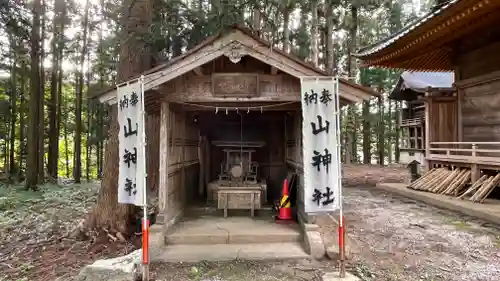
x=41, y=120
x=314, y=32
x=348, y=139
x=22, y=125
x=286, y=27
x=389, y=136
x=66, y=144
x=330, y=55
x=59, y=114
x=351, y=145
x=107, y=211
x=13, y=114
x=257, y=19
x=53, y=153
x=354, y=136
x=381, y=129
x=32, y=166
x=77, y=166
x=134, y=57
x=398, y=132
x=367, y=156
x=90, y=115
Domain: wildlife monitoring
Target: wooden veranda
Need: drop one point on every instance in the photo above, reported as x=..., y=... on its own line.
x=462, y=126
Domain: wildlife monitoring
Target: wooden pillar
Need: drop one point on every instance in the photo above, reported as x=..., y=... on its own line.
x=164, y=157
x=201, y=161
x=208, y=162
x=427, y=137
x=475, y=173
x=184, y=139
x=460, y=95
x=459, y=115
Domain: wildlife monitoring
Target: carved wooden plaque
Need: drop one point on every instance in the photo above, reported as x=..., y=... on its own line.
x=235, y=85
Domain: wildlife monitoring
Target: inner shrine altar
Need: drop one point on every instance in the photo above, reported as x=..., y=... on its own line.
x=238, y=185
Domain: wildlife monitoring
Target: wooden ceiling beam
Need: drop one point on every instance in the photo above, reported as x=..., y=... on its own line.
x=198, y=71
x=274, y=70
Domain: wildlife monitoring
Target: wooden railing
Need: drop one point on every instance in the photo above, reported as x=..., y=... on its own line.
x=416, y=121
x=465, y=152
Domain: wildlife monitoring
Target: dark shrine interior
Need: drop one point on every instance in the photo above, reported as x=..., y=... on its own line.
x=263, y=132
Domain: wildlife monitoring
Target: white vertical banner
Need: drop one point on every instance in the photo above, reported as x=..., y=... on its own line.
x=320, y=113
x=131, y=153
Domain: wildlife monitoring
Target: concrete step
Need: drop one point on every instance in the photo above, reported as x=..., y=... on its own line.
x=222, y=236
x=228, y=252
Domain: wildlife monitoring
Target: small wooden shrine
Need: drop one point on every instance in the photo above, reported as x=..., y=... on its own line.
x=227, y=124
x=425, y=96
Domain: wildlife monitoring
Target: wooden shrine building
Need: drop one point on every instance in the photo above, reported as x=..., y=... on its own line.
x=460, y=36
x=228, y=119
x=425, y=96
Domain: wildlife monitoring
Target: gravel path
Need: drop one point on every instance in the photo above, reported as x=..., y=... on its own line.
x=401, y=239
x=391, y=239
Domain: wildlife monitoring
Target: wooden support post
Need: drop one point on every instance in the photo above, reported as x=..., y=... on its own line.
x=252, y=200
x=164, y=158
x=475, y=173
x=226, y=204
x=184, y=139
x=201, y=159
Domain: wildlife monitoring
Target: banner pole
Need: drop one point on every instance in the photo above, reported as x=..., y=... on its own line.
x=339, y=182
x=145, y=221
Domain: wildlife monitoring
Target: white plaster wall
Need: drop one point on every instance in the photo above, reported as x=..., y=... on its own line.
x=405, y=157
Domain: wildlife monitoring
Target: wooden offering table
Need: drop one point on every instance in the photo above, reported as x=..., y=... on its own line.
x=239, y=198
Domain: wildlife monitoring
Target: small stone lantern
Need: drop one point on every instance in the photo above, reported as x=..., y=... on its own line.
x=414, y=170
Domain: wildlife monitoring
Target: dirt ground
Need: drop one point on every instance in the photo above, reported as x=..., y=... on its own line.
x=301, y=270
x=357, y=174
x=390, y=239
x=401, y=239
x=34, y=227
x=394, y=238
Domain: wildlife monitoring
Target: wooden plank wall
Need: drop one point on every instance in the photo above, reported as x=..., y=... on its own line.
x=478, y=80
x=479, y=61
x=443, y=117
x=178, y=171
x=294, y=159
x=481, y=108
x=153, y=152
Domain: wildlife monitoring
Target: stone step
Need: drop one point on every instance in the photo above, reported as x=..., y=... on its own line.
x=245, y=236
x=228, y=252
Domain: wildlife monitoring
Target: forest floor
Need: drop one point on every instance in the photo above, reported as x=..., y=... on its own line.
x=34, y=228
x=390, y=238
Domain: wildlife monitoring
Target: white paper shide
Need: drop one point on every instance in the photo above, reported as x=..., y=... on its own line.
x=320, y=135
x=130, y=119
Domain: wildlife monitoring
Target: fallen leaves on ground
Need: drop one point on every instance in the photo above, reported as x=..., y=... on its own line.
x=34, y=228
x=353, y=175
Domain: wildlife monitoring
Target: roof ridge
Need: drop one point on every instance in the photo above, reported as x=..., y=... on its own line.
x=389, y=40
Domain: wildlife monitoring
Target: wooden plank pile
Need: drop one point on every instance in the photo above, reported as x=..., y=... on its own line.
x=480, y=190
x=454, y=182
x=442, y=181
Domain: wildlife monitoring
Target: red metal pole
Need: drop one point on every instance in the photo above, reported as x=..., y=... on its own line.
x=145, y=249
x=342, y=247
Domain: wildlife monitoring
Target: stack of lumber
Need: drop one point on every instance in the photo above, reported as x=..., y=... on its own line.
x=480, y=190
x=443, y=181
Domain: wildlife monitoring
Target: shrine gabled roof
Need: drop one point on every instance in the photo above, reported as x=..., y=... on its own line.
x=213, y=46
x=426, y=44
x=378, y=46
x=410, y=83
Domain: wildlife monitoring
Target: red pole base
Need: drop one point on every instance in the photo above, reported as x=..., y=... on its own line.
x=145, y=241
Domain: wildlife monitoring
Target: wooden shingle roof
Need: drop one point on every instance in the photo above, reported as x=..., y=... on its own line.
x=427, y=43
